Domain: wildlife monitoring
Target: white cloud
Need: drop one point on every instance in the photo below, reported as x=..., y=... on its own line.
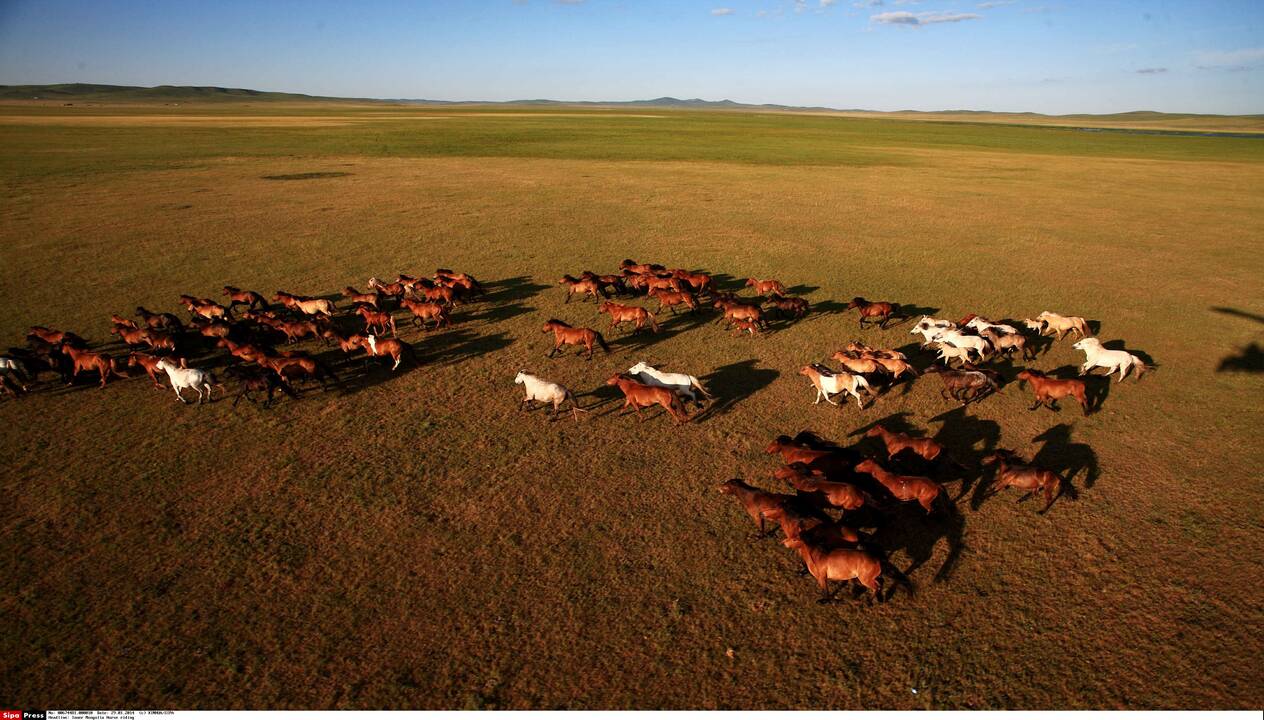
x=1151, y=71
x=994, y=4
x=908, y=19
x=1229, y=59
x=867, y=3
x=827, y=3
x=719, y=12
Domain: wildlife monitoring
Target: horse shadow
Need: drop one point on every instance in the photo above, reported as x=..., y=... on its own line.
x=967, y=440
x=827, y=307
x=670, y=327
x=727, y=283
x=732, y=383
x=908, y=527
x=1066, y=458
x=1249, y=359
x=459, y=344
x=603, y=395
x=800, y=290
x=908, y=313
x=512, y=290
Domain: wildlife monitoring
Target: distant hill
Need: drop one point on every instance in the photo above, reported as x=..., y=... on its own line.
x=1137, y=120
x=162, y=93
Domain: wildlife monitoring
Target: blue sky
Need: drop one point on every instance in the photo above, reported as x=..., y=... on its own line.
x=1053, y=56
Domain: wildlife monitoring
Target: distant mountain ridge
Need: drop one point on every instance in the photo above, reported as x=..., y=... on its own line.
x=188, y=93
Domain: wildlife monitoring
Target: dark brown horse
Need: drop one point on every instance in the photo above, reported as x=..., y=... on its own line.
x=880, y=312
x=671, y=298
x=564, y=334
x=896, y=443
x=87, y=360
x=249, y=298
x=1013, y=471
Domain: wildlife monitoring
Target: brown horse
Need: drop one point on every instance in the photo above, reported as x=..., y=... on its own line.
x=1049, y=390
x=965, y=386
x=815, y=458
x=699, y=282
x=1012, y=471
x=376, y=320
x=436, y=293
x=423, y=311
x=150, y=364
x=134, y=337
x=298, y=366
x=159, y=321
x=619, y=314
x=640, y=268
x=766, y=287
x=461, y=280
x=759, y=505
x=671, y=298
x=356, y=297
x=564, y=334
x=245, y=351
x=857, y=363
x=749, y=327
x=158, y=340
x=879, y=312
x=249, y=298
x=306, y=305
x=788, y=306
x=803, y=478
x=638, y=395
x=205, y=308
x=394, y=290
x=838, y=564
x=89, y=360
x=213, y=329
x=905, y=488
x=613, y=282
x=297, y=330
x=119, y=321
x=662, y=282
x=583, y=288
x=56, y=337
x=736, y=310
x=393, y=348
x=259, y=379
x=925, y=448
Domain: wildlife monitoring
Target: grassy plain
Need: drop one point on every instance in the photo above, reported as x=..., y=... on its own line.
x=410, y=541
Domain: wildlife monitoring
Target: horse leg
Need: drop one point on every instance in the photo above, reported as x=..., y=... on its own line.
x=1037, y=404
x=554, y=350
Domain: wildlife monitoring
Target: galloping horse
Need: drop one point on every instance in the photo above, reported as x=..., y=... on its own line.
x=896, y=443
x=541, y=390
x=89, y=360
x=376, y=320
x=671, y=298
x=204, y=307
x=564, y=334
x=766, y=287
x=583, y=288
x=1012, y=471
x=306, y=305
x=194, y=378
x=159, y=321
x=356, y=297
x=423, y=311
x=619, y=314
x=905, y=488
x=1049, y=390
x=638, y=395
x=880, y=312
x=249, y=298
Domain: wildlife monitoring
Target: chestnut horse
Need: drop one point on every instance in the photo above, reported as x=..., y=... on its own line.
x=736, y=310
x=766, y=287
x=564, y=334
x=89, y=360
x=249, y=298
x=619, y=314
x=638, y=395
x=356, y=297
x=149, y=363
x=306, y=305
x=759, y=505
x=789, y=306
x=1049, y=390
x=202, y=307
x=394, y=348
x=583, y=288
x=423, y=311
x=159, y=321
x=879, y=312
x=906, y=488
x=376, y=320
x=803, y=478
x=925, y=448
x=839, y=564
x=965, y=386
x=671, y=298
x=1011, y=471
x=699, y=282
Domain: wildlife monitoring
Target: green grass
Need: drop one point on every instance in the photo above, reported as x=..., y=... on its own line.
x=411, y=541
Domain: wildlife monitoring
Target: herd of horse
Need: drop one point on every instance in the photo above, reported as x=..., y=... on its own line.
x=832, y=485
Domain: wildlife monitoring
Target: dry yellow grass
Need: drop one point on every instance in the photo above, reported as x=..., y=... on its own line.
x=414, y=543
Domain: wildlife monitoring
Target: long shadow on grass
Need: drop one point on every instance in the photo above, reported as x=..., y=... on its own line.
x=1067, y=458
x=731, y=383
x=634, y=340
x=968, y=440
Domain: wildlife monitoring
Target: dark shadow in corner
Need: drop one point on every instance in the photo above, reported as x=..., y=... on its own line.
x=1248, y=359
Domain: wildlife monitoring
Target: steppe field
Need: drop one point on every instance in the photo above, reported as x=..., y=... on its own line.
x=410, y=540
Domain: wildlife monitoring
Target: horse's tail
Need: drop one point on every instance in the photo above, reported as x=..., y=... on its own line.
x=601, y=341
x=861, y=382
x=114, y=369
x=1140, y=365
x=693, y=381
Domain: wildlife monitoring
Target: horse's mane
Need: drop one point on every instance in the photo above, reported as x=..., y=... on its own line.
x=555, y=321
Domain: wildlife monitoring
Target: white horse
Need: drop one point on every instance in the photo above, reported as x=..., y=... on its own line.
x=948, y=352
x=189, y=378
x=546, y=392
x=1048, y=323
x=828, y=382
x=929, y=327
x=680, y=383
x=1096, y=356
x=957, y=339
x=16, y=368
x=978, y=324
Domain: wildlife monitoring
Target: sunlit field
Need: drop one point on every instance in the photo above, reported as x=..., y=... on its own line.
x=409, y=539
